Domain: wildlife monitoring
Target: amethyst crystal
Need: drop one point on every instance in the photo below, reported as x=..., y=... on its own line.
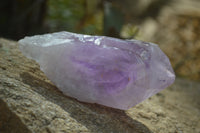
x=98, y=69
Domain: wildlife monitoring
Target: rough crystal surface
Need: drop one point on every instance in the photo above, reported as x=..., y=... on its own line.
x=98, y=69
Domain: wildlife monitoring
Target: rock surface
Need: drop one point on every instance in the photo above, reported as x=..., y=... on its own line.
x=29, y=102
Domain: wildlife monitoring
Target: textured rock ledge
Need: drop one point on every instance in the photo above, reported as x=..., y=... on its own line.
x=29, y=102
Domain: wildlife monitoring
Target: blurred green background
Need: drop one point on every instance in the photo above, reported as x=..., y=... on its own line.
x=172, y=24
x=19, y=18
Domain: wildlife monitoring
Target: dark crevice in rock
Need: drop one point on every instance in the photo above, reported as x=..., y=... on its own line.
x=9, y=122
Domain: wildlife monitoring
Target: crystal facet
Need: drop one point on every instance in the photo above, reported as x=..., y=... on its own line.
x=98, y=69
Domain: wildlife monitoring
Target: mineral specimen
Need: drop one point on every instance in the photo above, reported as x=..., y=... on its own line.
x=98, y=69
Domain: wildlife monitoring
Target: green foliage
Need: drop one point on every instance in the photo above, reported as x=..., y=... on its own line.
x=72, y=15
x=130, y=31
x=94, y=17
x=65, y=14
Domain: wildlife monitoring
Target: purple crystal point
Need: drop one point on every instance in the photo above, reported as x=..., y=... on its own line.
x=97, y=69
